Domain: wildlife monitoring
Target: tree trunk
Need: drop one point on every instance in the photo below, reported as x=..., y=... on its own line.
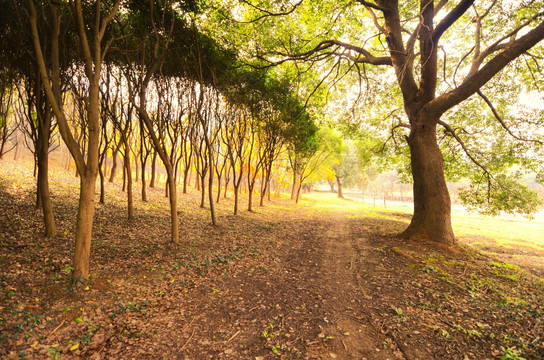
x=250, y=197
x=173, y=196
x=210, y=194
x=102, y=187
x=84, y=227
x=114, y=164
x=339, y=183
x=43, y=186
x=298, y=192
x=144, y=194
x=432, y=206
x=128, y=172
x=203, y=193
x=153, y=169
x=236, y=192
x=294, y=188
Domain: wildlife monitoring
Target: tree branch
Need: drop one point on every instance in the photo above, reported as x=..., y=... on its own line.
x=371, y=5
x=501, y=121
x=451, y=18
x=472, y=84
x=451, y=131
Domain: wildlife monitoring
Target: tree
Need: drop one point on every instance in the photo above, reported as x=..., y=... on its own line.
x=367, y=35
x=92, y=57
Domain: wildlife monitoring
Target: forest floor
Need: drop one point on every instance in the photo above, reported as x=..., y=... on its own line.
x=323, y=279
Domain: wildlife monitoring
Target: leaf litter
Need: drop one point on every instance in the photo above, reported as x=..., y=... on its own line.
x=282, y=282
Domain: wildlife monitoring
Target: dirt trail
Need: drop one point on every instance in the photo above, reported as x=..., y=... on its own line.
x=355, y=334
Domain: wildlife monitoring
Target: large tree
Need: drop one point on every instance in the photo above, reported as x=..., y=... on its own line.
x=441, y=53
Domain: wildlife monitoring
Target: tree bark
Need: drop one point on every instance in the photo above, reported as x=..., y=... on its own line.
x=143, y=162
x=102, y=186
x=432, y=205
x=339, y=183
x=43, y=186
x=128, y=174
x=84, y=226
x=173, y=196
x=153, y=169
x=236, y=192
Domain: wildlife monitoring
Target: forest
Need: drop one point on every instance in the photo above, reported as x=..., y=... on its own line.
x=183, y=179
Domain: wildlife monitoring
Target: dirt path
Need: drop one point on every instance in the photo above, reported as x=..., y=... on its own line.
x=355, y=334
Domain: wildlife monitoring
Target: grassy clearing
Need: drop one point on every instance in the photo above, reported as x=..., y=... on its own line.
x=515, y=239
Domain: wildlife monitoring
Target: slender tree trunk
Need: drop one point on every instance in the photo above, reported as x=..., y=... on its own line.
x=236, y=192
x=144, y=194
x=298, y=192
x=43, y=186
x=264, y=185
x=432, y=206
x=294, y=188
x=210, y=188
x=173, y=207
x=250, y=197
x=203, y=187
x=153, y=169
x=186, y=178
x=136, y=167
x=114, y=164
x=124, y=178
x=102, y=187
x=128, y=172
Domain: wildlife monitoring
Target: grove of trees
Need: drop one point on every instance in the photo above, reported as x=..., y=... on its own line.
x=238, y=91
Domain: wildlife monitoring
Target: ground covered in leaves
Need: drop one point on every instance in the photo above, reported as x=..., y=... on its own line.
x=311, y=281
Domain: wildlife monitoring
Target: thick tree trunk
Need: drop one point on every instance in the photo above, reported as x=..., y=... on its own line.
x=84, y=226
x=432, y=206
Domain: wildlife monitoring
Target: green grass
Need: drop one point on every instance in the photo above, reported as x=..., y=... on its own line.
x=506, y=230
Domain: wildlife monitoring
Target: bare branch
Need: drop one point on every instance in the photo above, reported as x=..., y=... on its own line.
x=499, y=45
x=473, y=83
x=452, y=132
x=501, y=120
x=267, y=13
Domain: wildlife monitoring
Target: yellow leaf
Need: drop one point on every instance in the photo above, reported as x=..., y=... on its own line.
x=87, y=288
x=34, y=344
x=74, y=347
